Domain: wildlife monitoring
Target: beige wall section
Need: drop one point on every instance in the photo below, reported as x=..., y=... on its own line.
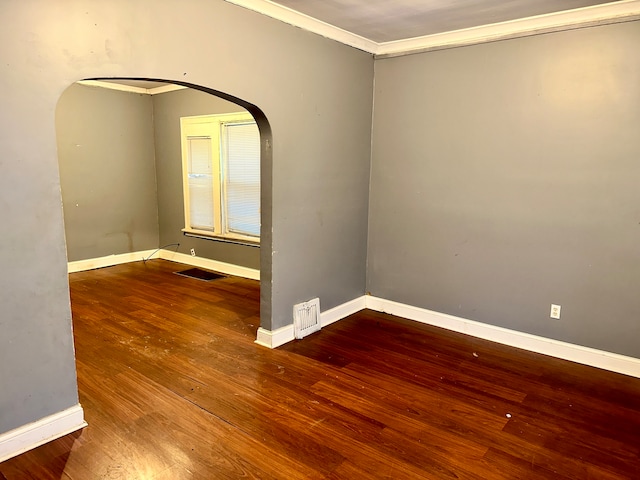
x=107, y=171
x=168, y=108
x=505, y=179
x=315, y=93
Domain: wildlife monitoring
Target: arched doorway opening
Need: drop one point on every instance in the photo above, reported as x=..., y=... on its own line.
x=95, y=192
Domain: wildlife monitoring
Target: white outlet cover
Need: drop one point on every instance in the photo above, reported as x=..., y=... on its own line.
x=555, y=311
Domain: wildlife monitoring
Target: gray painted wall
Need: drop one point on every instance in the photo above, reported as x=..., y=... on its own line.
x=167, y=110
x=107, y=141
x=316, y=94
x=505, y=177
x=107, y=171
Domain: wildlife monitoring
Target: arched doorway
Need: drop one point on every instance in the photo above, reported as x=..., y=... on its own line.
x=133, y=233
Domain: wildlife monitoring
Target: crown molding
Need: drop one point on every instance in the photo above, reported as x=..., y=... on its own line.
x=305, y=22
x=607, y=13
x=614, y=12
x=129, y=88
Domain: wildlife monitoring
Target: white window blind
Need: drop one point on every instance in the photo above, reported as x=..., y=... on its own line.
x=221, y=176
x=201, y=201
x=241, y=170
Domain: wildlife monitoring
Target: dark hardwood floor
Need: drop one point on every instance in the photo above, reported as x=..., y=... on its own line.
x=174, y=387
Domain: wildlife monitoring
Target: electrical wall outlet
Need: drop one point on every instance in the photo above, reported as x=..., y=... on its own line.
x=193, y=252
x=555, y=311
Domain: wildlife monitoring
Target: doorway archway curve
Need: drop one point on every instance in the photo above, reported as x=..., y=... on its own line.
x=266, y=184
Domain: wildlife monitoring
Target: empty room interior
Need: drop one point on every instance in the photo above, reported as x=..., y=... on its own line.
x=438, y=276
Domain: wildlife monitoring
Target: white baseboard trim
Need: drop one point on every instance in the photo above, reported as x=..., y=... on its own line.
x=280, y=336
x=108, y=261
x=342, y=311
x=275, y=338
x=117, y=259
x=533, y=343
x=32, y=435
x=209, y=264
x=566, y=351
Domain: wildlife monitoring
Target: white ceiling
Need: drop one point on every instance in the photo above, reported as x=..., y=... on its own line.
x=388, y=27
x=392, y=20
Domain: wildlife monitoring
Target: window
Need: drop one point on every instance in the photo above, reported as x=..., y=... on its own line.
x=221, y=175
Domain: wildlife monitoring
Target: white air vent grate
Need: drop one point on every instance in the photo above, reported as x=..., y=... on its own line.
x=306, y=318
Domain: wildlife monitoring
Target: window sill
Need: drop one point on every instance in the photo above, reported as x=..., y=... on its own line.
x=238, y=240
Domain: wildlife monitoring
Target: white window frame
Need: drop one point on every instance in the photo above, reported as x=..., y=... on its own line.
x=210, y=126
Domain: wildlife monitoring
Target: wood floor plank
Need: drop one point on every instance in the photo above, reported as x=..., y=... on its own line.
x=174, y=387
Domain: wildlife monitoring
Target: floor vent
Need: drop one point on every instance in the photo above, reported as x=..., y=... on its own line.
x=306, y=318
x=200, y=274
